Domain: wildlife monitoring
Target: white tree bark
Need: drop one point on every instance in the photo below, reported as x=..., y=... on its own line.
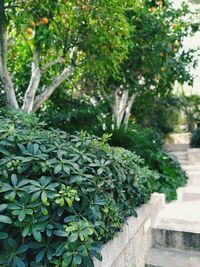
x=33, y=84
x=128, y=109
x=119, y=106
x=4, y=74
x=40, y=99
x=122, y=107
x=31, y=103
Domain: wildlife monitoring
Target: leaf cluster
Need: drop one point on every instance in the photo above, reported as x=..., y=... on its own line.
x=63, y=196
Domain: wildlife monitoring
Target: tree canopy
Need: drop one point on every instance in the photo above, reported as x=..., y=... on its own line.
x=56, y=41
x=121, y=49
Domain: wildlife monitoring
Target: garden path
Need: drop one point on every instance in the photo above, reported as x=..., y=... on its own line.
x=176, y=233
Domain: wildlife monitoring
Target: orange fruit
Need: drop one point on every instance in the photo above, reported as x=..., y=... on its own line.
x=41, y=22
x=153, y=9
x=85, y=8
x=45, y=20
x=32, y=24
x=29, y=31
x=160, y=3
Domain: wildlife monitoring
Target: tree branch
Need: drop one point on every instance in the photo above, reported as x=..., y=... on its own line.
x=50, y=64
x=34, y=82
x=4, y=74
x=66, y=73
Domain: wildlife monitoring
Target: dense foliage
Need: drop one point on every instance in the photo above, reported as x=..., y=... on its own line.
x=63, y=196
x=163, y=114
x=148, y=144
x=76, y=114
x=111, y=47
x=195, y=139
x=191, y=109
x=156, y=59
x=114, y=62
x=43, y=47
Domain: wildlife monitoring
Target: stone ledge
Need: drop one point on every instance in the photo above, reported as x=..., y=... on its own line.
x=131, y=246
x=193, y=154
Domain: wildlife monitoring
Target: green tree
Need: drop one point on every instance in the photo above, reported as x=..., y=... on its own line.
x=41, y=48
x=156, y=58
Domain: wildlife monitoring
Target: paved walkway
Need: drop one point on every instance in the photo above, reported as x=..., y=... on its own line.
x=177, y=230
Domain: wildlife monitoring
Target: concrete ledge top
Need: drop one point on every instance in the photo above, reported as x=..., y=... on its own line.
x=172, y=258
x=191, y=150
x=184, y=216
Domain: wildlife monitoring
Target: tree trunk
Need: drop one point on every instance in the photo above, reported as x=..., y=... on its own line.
x=128, y=109
x=51, y=88
x=4, y=74
x=121, y=107
x=33, y=84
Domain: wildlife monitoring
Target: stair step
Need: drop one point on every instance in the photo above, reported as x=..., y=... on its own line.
x=178, y=226
x=194, y=181
x=176, y=236
x=180, y=155
x=191, y=168
x=177, y=147
x=164, y=257
x=191, y=192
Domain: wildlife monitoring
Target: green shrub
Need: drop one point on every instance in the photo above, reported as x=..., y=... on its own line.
x=195, y=139
x=63, y=196
x=71, y=114
x=162, y=113
x=148, y=144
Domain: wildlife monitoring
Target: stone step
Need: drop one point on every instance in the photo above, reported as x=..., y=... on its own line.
x=178, y=226
x=194, y=181
x=193, y=173
x=177, y=147
x=164, y=257
x=180, y=155
x=177, y=239
x=181, y=158
x=191, y=192
x=194, y=154
x=191, y=168
x=189, y=163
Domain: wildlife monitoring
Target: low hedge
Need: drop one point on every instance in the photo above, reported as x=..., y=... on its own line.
x=63, y=196
x=147, y=143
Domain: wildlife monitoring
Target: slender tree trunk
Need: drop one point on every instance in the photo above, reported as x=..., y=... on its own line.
x=31, y=103
x=4, y=74
x=128, y=109
x=33, y=84
x=121, y=107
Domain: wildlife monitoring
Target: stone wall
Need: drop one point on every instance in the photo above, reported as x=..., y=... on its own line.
x=133, y=243
x=177, y=142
